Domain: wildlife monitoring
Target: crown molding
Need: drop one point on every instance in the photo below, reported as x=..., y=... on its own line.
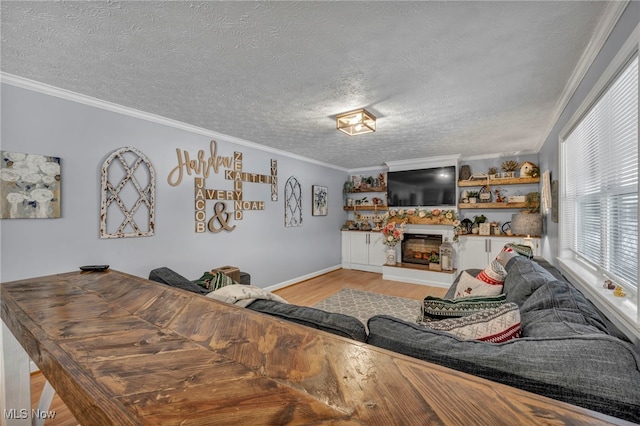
x=423, y=163
x=606, y=25
x=381, y=169
x=47, y=89
x=498, y=155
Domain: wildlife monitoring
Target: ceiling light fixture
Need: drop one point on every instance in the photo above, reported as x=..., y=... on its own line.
x=356, y=122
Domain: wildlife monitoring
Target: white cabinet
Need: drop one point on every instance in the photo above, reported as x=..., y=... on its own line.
x=478, y=252
x=363, y=251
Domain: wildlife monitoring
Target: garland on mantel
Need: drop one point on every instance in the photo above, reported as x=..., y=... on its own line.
x=421, y=216
x=424, y=217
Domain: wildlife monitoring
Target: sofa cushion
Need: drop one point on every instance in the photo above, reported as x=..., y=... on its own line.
x=436, y=308
x=171, y=278
x=469, y=285
x=496, y=325
x=557, y=309
x=586, y=370
x=523, y=278
x=339, y=324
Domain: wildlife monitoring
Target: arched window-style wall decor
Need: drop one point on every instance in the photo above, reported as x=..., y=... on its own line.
x=292, y=203
x=128, y=195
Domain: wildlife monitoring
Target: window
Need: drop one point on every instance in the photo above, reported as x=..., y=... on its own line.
x=599, y=191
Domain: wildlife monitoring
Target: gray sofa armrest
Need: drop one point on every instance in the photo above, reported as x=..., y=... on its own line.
x=338, y=324
x=598, y=371
x=171, y=278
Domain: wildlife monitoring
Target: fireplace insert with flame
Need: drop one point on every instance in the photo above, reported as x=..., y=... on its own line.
x=421, y=248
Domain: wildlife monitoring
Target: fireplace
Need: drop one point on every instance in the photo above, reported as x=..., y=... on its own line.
x=417, y=248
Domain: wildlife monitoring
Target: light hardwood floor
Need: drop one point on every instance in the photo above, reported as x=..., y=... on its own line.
x=306, y=293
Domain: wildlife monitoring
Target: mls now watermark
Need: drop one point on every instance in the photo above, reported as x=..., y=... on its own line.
x=15, y=414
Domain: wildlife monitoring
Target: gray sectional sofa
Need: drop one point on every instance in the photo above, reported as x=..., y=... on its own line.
x=568, y=350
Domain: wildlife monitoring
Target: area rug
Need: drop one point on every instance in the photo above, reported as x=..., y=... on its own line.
x=363, y=305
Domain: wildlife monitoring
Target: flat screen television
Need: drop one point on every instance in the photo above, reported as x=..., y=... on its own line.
x=422, y=188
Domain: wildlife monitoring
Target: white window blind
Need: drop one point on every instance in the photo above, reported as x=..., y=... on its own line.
x=600, y=182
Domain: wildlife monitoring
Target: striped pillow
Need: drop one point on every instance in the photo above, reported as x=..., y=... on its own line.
x=495, y=325
x=215, y=281
x=436, y=308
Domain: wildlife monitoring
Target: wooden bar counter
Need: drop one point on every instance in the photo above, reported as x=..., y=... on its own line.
x=123, y=350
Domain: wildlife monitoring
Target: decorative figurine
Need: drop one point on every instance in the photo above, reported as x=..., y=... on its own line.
x=619, y=292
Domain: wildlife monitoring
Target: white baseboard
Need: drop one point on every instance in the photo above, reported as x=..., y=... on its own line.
x=302, y=278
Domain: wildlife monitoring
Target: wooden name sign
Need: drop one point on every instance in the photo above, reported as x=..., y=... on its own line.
x=203, y=166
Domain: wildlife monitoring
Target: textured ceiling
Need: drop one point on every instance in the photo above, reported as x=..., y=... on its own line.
x=469, y=78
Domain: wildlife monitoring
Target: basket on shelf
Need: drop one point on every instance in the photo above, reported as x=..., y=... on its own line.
x=526, y=224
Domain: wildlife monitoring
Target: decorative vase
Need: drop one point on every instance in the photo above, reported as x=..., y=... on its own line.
x=391, y=256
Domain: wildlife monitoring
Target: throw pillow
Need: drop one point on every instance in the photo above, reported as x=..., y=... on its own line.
x=215, y=281
x=205, y=280
x=436, y=308
x=243, y=295
x=470, y=286
x=511, y=250
x=495, y=325
x=493, y=274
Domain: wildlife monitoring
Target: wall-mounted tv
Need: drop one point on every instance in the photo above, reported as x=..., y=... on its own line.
x=422, y=188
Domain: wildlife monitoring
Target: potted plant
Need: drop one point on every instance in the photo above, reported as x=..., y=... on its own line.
x=473, y=196
x=492, y=172
x=434, y=262
x=477, y=220
x=509, y=167
x=532, y=200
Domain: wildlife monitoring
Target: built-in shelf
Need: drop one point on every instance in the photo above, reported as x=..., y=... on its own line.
x=376, y=189
x=499, y=236
x=365, y=208
x=493, y=206
x=505, y=181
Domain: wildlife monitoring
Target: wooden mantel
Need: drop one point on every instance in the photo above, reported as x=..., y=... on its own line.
x=123, y=350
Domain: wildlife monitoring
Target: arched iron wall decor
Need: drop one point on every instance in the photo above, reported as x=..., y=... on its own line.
x=292, y=203
x=131, y=199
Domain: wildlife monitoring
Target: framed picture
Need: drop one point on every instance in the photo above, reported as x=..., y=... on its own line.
x=320, y=207
x=29, y=186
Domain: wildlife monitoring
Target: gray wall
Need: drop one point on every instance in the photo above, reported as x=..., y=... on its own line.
x=549, y=153
x=84, y=136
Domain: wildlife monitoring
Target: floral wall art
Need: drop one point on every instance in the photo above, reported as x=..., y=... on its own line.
x=29, y=186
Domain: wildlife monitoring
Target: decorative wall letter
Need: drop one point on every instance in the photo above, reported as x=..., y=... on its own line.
x=127, y=189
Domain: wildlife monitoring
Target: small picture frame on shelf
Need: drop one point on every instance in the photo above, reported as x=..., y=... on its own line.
x=484, y=196
x=484, y=228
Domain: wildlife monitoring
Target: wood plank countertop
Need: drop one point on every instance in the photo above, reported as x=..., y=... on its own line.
x=123, y=350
